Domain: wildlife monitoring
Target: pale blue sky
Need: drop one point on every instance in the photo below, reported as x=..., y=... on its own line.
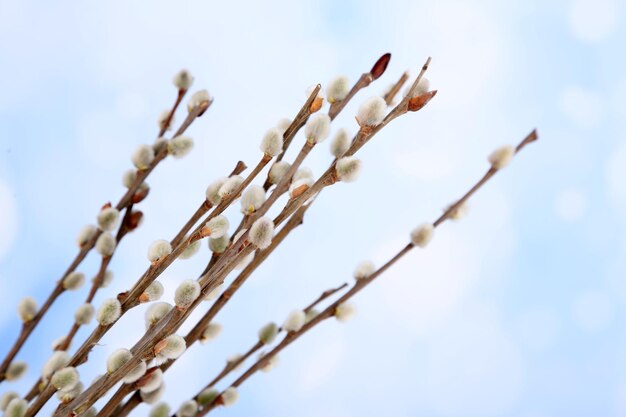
x=515, y=311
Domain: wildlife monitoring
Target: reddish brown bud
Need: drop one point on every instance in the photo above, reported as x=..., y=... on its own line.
x=416, y=103
x=140, y=195
x=134, y=220
x=380, y=66
x=107, y=205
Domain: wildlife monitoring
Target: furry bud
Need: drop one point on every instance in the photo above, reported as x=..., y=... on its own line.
x=171, y=347
x=16, y=408
x=105, y=245
x=364, y=270
x=186, y=293
x=278, y=171
x=344, y=312
x=108, y=219
x=117, y=359
x=162, y=119
x=154, y=395
x=190, y=250
x=16, y=370
x=6, y=398
x=158, y=250
x=156, y=312
x=230, y=396
x=85, y=235
x=340, y=143
x=65, y=379
x=143, y=156
x=262, y=232
x=207, y=396
x=219, y=245
x=216, y=227
x=129, y=177
x=160, y=410
x=299, y=187
x=198, y=99
x=212, y=191
x=272, y=142
x=348, y=168
x=317, y=128
x=423, y=86
x=214, y=293
x=68, y=395
x=74, y=281
x=302, y=173
x=245, y=261
x=338, y=89
x=151, y=381
x=183, y=80
x=501, y=156
x=135, y=373
x=153, y=292
x=295, y=321
x=27, y=309
x=57, y=361
x=211, y=332
x=268, y=333
x=230, y=186
x=84, y=314
x=269, y=363
x=283, y=125
x=372, y=112
x=106, y=278
x=110, y=310
x=252, y=199
x=459, y=212
x=179, y=146
x=188, y=408
x=234, y=362
x=310, y=315
x=421, y=235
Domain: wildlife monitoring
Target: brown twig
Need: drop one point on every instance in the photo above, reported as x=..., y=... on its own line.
x=390, y=95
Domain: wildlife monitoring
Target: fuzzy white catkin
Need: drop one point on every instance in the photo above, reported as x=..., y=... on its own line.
x=143, y=156
x=234, y=361
x=158, y=250
x=183, y=79
x=68, y=395
x=107, y=278
x=55, y=362
x=230, y=186
x=252, y=199
x=108, y=219
x=262, y=232
x=269, y=364
x=65, y=379
x=421, y=235
x=212, y=191
x=186, y=293
x=172, y=347
x=117, y=359
x=106, y=243
x=345, y=311
x=295, y=321
x=136, y=373
x=179, y=146
x=207, y=396
x=501, y=156
x=244, y=262
x=6, y=398
x=74, y=281
x=278, y=171
x=338, y=89
x=56, y=343
x=154, y=395
x=152, y=381
x=459, y=212
x=230, y=396
x=153, y=292
x=86, y=234
x=109, y=311
x=217, y=226
x=268, y=333
x=272, y=142
x=302, y=173
x=298, y=187
x=16, y=370
x=160, y=410
x=283, y=124
x=199, y=97
x=422, y=88
x=188, y=408
x=310, y=315
x=219, y=245
x=16, y=408
x=317, y=128
x=214, y=293
x=129, y=178
x=211, y=332
x=348, y=168
x=190, y=250
x=27, y=309
x=156, y=312
x=163, y=118
x=364, y=270
x=372, y=112
x=84, y=314
x=340, y=143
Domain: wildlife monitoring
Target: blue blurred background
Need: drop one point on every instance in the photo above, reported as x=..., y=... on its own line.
x=514, y=311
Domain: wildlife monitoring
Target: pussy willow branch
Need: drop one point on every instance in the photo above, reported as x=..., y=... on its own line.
x=359, y=285
x=395, y=89
x=126, y=199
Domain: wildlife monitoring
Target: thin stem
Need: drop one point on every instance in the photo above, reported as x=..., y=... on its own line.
x=395, y=88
